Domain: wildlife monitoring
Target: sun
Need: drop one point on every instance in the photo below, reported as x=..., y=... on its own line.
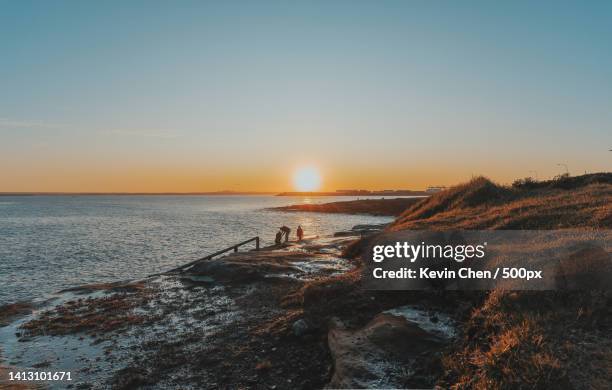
x=307, y=179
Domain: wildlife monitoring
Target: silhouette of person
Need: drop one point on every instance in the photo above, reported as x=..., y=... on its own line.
x=286, y=231
x=300, y=232
x=279, y=236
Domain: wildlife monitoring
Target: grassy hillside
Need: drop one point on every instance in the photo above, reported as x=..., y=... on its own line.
x=577, y=202
x=524, y=339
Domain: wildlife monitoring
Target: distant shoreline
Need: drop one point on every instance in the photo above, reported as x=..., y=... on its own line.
x=358, y=193
x=377, y=207
x=221, y=193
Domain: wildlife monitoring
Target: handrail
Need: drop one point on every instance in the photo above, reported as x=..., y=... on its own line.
x=209, y=257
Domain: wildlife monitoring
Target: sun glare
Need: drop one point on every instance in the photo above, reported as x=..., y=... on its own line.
x=307, y=179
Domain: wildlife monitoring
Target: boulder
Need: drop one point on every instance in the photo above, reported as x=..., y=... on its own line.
x=251, y=266
x=300, y=327
x=379, y=355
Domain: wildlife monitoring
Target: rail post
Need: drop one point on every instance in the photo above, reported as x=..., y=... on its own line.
x=209, y=257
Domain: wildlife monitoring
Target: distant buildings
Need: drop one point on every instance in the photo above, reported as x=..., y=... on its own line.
x=353, y=191
x=345, y=192
x=434, y=189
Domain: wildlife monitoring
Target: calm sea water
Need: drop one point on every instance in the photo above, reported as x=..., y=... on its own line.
x=48, y=243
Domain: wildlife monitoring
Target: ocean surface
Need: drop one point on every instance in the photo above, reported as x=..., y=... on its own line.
x=48, y=243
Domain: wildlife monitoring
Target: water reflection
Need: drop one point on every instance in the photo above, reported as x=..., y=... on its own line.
x=52, y=242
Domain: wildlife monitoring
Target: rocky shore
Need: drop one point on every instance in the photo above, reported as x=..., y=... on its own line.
x=279, y=318
x=297, y=316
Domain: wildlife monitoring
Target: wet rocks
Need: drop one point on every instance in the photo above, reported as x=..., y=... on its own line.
x=300, y=327
x=382, y=354
x=9, y=312
x=121, y=286
x=249, y=266
x=361, y=230
x=269, y=266
x=131, y=377
x=92, y=315
x=379, y=226
x=347, y=234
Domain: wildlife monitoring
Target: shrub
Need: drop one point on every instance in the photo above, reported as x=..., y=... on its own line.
x=527, y=182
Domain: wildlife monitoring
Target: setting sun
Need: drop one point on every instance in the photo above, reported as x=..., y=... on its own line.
x=307, y=179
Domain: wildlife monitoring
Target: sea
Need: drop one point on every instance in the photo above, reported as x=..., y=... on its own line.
x=49, y=243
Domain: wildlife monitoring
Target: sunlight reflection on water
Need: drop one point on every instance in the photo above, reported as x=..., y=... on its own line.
x=52, y=242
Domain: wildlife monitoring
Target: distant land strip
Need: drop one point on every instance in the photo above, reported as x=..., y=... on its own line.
x=359, y=193
x=379, y=207
x=137, y=193
x=337, y=193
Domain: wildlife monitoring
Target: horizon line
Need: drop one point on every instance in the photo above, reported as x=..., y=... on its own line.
x=222, y=192
x=8, y=193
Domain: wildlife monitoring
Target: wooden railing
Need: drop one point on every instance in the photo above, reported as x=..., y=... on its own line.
x=209, y=257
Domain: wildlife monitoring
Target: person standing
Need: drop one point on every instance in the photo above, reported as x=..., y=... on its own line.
x=300, y=233
x=279, y=236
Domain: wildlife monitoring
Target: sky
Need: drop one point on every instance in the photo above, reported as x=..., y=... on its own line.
x=146, y=96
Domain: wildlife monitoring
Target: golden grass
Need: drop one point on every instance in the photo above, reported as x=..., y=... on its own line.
x=482, y=204
x=530, y=340
x=525, y=339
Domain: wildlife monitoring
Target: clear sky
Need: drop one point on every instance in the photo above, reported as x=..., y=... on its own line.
x=198, y=96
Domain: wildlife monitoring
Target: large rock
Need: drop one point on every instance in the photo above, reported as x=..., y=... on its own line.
x=381, y=354
x=251, y=266
x=300, y=327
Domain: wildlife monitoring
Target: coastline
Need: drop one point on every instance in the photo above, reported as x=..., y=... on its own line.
x=378, y=207
x=366, y=193
x=150, y=234
x=268, y=302
x=297, y=315
x=246, y=298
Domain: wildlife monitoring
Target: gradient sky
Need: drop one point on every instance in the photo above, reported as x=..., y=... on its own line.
x=199, y=96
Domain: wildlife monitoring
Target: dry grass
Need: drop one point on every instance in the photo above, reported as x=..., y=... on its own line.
x=476, y=193
x=482, y=204
x=532, y=340
x=523, y=339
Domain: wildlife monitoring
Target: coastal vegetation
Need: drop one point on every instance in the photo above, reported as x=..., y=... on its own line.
x=567, y=202
x=297, y=315
x=526, y=339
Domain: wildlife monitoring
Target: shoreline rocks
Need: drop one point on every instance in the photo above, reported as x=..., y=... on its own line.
x=381, y=354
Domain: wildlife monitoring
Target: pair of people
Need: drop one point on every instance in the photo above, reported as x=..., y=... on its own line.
x=285, y=231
